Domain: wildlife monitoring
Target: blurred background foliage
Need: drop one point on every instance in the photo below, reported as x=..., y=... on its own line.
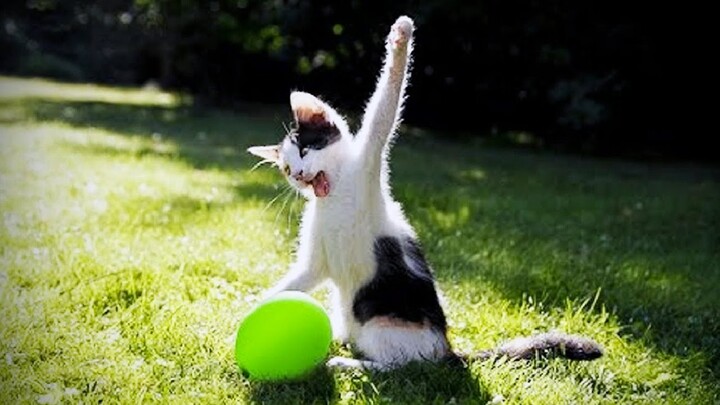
x=600, y=77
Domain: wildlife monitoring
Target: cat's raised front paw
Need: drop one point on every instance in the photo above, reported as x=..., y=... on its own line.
x=401, y=32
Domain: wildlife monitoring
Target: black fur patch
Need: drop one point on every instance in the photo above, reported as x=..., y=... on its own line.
x=402, y=288
x=310, y=135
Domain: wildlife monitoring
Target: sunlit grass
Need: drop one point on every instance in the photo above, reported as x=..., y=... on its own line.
x=13, y=88
x=135, y=238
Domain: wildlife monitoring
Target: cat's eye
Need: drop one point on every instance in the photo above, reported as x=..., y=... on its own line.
x=286, y=170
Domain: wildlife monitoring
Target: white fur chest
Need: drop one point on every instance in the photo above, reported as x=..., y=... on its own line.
x=344, y=233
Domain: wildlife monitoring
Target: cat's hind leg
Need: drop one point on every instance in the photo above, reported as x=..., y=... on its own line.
x=346, y=363
x=389, y=343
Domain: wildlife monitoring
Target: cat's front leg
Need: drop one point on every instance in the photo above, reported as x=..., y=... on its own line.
x=399, y=48
x=382, y=113
x=400, y=36
x=300, y=278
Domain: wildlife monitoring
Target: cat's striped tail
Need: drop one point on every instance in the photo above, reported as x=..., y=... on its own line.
x=544, y=345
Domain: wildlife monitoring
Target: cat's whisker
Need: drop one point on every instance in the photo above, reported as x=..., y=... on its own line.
x=280, y=194
x=293, y=205
x=287, y=129
x=260, y=163
x=285, y=201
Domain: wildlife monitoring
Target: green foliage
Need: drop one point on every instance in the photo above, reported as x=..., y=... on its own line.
x=594, y=76
x=135, y=236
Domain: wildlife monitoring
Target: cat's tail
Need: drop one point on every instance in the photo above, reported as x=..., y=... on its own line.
x=544, y=345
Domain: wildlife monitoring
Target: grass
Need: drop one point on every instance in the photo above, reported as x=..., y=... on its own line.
x=135, y=237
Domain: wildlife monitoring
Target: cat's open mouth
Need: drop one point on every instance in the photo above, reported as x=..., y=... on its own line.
x=320, y=184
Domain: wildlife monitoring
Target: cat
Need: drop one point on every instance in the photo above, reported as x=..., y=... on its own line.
x=354, y=234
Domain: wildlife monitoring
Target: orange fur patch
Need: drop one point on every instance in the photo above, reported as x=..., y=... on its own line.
x=389, y=321
x=308, y=109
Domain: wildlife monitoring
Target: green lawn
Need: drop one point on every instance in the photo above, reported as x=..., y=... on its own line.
x=135, y=237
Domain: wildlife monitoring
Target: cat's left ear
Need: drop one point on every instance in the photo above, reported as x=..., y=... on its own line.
x=309, y=109
x=270, y=153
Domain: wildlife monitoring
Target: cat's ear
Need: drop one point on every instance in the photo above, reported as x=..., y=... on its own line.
x=309, y=109
x=270, y=153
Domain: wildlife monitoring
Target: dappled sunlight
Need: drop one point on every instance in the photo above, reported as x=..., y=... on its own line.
x=73, y=192
x=630, y=369
x=473, y=175
x=519, y=257
x=664, y=282
x=451, y=220
x=115, y=261
x=105, y=142
x=203, y=139
x=14, y=88
x=539, y=230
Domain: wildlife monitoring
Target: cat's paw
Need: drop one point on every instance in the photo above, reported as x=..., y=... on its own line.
x=401, y=32
x=343, y=363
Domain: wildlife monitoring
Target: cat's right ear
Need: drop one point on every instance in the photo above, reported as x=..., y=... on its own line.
x=269, y=153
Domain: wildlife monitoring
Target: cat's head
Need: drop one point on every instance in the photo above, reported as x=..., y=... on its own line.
x=313, y=151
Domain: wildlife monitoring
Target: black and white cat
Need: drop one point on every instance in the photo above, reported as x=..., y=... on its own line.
x=356, y=236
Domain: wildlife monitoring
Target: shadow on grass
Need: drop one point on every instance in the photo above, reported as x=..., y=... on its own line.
x=526, y=224
x=415, y=383
x=426, y=383
x=318, y=388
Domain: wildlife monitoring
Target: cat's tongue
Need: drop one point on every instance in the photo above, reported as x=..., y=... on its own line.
x=320, y=185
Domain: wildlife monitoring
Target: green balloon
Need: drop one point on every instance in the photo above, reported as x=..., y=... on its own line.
x=283, y=338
